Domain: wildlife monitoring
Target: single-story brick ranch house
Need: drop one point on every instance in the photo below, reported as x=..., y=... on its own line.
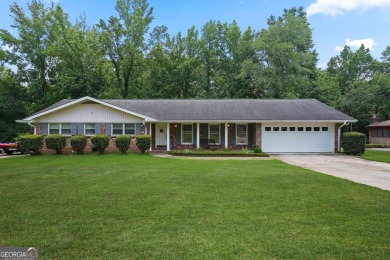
x=379, y=132
x=290, y=125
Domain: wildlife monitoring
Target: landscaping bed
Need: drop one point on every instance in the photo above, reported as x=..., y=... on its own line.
x=217, y=153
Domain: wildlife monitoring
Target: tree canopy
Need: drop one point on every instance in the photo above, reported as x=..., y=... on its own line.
x=52, y=58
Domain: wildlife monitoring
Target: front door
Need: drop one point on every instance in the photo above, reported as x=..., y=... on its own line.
x=161, y=134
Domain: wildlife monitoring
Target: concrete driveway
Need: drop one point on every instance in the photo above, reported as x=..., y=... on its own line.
x=371, y=173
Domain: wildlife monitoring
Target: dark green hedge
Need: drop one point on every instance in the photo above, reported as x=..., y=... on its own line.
x=207, y=153
x=354, y=143
x=377, y=146
x=123, y=143
x=78, y=143
x=56, y=142
x=100, y=142
x=143, y=142
x=31, y=144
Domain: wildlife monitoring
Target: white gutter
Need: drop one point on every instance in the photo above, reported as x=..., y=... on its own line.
x=339, y=135
x=35, y=128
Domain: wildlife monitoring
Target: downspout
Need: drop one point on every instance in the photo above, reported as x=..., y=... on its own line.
x=339, y=135
x=35, y=128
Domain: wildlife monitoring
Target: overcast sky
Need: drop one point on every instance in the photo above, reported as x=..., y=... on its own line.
x=335, y=23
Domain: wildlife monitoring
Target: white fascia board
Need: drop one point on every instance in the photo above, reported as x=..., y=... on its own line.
x=81, y=100
x=252, y=121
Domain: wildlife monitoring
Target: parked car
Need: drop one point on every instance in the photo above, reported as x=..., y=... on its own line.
x=10, y=148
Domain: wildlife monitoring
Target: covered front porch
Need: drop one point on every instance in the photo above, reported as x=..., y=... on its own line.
x=168, y=136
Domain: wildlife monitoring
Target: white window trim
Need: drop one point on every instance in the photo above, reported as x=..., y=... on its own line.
x=218, y=142
x=192, y=134
x=85, y=124
x=246, y=142
x=123, y=128
x=60, y=128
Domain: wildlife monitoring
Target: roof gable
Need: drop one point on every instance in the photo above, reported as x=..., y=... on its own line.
x=66, y=103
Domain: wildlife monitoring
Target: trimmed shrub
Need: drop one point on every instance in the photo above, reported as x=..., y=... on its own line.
x=31, y=143
x=78, y=143
x=143, y=142
x=123, y=143
x=221, y=153
x=256, y=148
x=55, y=142
x=100, y=142
x=354, y=143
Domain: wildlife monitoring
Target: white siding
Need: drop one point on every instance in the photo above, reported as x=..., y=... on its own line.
x=298, y=141
x=88, y=113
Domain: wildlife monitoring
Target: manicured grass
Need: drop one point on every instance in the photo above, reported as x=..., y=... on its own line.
x=379, y=156
x=132, y=206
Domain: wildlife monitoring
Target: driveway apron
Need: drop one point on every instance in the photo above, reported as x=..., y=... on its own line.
x=371, y=173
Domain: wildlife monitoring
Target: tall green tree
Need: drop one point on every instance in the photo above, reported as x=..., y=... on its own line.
x=83, y=69
x=287, y=55
x=29, y=51
x=123, y=38
x=12, y=105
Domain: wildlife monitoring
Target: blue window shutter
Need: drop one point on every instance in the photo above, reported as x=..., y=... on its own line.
x=194, y=133
x=44, y=128
x=205, y=128
x=222, y=129
x=138, y=128
x=73, y=130
x=178, y=134
x=250, y=135
x=108, y=128
x=233, y=133
x=98, y=128
x=80, y=129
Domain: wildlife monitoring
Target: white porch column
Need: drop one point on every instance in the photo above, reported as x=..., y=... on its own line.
x=197, y=136
x=168, y=139
x=146, y=128
x=226, y=135
x=151, y=141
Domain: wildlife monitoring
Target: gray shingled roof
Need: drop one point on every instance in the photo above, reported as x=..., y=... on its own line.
x=381, y=124
x=226, y=109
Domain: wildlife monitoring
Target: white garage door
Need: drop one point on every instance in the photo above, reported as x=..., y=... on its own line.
x=293, y=138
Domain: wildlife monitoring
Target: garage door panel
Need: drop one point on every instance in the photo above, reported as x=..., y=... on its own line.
x=298, y=141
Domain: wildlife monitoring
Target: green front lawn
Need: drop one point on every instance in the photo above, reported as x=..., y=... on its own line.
x=132, y=206
x=378, y=156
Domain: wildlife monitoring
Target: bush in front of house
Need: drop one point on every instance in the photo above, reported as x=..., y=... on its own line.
x=354, y=143
x=123, y=143
x=100, y=142
x=256, y=148
x=143, y=142
x=55, y=142
x=78, y=143
x=31, y=143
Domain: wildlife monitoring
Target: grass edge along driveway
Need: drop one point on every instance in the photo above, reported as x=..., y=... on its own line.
x=376, y=155
x=133, y=206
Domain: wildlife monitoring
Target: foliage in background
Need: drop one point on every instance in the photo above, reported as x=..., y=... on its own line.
x=78, y=143
x=53, y=58
x=55, y=142
x=100, y=142
x=123, y=143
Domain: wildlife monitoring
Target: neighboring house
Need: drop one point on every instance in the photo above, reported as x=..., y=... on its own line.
x=295, y=125
x=379, y=132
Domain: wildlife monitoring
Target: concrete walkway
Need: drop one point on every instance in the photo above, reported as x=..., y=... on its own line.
x=371, y=173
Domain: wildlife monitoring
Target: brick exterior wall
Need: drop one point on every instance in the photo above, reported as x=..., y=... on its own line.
x=336, y=137
x=380, y=140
